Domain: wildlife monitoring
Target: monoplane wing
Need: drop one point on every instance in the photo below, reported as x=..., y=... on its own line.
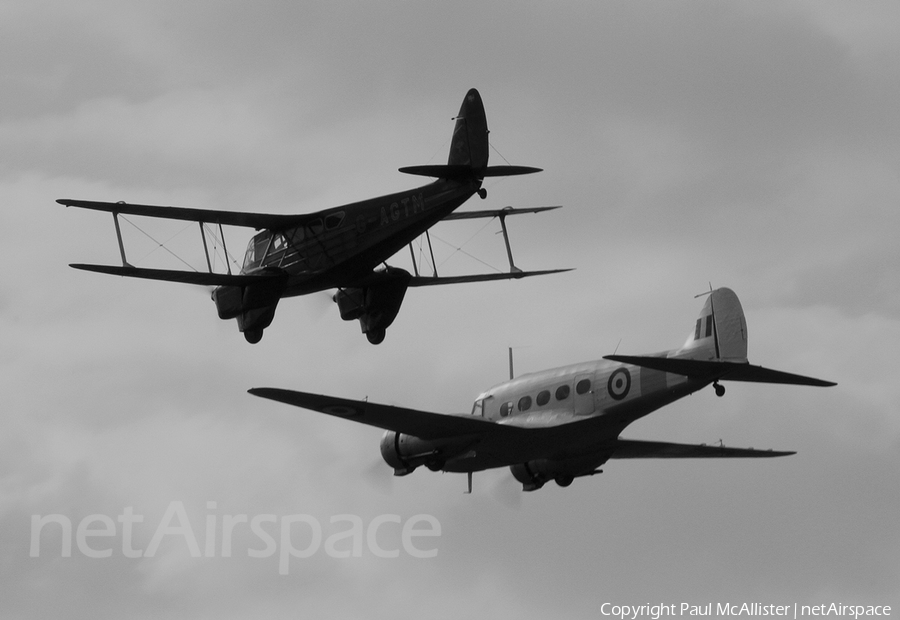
x=186, y=277
x=635, y=449
x=716, y=370
x=423, y=424
x=206, y=216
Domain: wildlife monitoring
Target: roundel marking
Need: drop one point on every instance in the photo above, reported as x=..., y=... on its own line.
x=619, y=383
x=342, y=411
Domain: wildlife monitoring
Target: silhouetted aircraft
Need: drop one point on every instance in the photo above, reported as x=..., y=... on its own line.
x=564, y=423
x=343, y=247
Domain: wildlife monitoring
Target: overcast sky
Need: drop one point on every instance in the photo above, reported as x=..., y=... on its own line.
x=754, y=145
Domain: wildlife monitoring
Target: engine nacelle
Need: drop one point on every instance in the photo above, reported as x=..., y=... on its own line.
x=252, y=305
x=376, y=305
x=406, y=452
x=534, y=474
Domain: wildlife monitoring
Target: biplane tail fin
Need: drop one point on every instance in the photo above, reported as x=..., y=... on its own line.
x=469, y=145
x=469, y=148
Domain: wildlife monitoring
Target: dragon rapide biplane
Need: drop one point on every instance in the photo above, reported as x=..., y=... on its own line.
x=343, y=248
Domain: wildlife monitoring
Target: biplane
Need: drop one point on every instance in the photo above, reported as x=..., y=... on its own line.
x=343, y=248
x=564, y=423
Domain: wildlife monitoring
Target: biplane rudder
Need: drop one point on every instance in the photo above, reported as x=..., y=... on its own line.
x=720, y=332
x=469, y=144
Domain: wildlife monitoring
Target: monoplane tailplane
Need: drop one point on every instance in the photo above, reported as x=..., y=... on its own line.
x=716, y=349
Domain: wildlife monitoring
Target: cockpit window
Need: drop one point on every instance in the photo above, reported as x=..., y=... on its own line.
x=256, y=250
x=505, y=408
x=478, y=408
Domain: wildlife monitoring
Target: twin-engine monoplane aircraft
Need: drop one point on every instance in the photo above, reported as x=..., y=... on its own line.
x=565, y=423
x=342, y=248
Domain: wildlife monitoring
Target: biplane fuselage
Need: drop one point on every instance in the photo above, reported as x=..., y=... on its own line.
x=340, y=247
x=343, y=247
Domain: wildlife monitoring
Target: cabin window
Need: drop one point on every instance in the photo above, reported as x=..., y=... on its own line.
x=583, y=386
x=525, y=403
x=315, y=227
x=334, y=220
x=562, y=392
x=543, y=398
x=505, y=408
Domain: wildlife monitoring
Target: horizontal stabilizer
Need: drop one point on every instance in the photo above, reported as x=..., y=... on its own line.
x=171, y=275
x=471, y=215
x=209, y=216
x=634, y=449
x=481, y=277
x=456, y=171
x=718, y=371
x=423, y=424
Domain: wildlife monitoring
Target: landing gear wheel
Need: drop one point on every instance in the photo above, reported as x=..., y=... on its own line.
x=376, y=336
x=564, y=481
x=253, y=335
x=720, y=389
x=482, y=193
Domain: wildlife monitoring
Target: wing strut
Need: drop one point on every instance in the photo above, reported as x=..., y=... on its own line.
x=431, y=251
x=205, y=248
x=415, y=263
x=512, y=267
x=224, y=249
x=115, y=215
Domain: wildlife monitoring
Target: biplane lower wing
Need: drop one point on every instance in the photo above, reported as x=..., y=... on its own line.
x=480, y=277
x=185, y=277
x=635, y=449
x=205, y=216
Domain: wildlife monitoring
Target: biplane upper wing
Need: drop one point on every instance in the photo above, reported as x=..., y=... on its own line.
x=206, y=216
x=422, y=424
x=468, y=215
